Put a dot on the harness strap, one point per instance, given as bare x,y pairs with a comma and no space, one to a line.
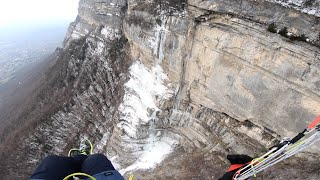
235,166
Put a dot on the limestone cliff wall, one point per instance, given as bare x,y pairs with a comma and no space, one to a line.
231,64
223,58
162,87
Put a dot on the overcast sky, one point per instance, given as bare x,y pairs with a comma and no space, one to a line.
36,11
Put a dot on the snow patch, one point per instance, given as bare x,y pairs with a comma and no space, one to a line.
100,47
175,11
143,89
299,5
96,49
153,154
142,92
111,33
79,32
114,162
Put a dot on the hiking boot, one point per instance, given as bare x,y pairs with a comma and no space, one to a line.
86,147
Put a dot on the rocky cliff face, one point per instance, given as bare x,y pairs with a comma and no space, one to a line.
167,88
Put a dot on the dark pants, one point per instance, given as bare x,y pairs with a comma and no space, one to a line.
58,167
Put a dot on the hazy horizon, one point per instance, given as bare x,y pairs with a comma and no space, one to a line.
36,12
30,31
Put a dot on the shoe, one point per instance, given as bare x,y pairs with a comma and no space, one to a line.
74,152
86,147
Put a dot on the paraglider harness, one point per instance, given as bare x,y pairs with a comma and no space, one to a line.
285,149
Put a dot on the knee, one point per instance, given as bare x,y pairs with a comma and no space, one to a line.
97,163
51,157
98,156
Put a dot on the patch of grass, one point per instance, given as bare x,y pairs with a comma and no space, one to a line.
299,38
117,46
158,21
248,124
272,28
284,32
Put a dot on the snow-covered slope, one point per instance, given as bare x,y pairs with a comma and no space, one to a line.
311,7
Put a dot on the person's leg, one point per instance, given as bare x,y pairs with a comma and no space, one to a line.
57,167
96,163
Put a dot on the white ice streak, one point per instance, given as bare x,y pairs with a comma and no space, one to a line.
79,32
157,42
140,96
111,33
